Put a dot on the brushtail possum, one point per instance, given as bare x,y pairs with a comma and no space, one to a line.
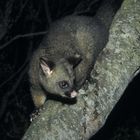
66,56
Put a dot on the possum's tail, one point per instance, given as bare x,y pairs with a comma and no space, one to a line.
107,11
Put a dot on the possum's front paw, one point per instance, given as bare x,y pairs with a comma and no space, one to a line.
36,113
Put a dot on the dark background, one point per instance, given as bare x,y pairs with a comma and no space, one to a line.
22,26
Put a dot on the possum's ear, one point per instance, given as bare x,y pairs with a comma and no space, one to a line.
74,60
46,66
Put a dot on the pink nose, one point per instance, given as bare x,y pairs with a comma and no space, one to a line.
73,94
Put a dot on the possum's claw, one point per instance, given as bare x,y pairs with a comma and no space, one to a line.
36,113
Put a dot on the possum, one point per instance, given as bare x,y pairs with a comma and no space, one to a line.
66,55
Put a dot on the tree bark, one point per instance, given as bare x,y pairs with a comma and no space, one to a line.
116,66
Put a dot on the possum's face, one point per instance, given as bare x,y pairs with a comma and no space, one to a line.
58,78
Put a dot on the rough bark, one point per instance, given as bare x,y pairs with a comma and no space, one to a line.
116,66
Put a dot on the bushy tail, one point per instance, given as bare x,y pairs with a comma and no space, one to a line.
107,11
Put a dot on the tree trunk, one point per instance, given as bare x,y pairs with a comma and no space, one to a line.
116,66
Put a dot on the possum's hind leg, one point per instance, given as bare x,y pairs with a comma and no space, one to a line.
81,73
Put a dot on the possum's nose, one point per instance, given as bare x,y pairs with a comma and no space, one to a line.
72,94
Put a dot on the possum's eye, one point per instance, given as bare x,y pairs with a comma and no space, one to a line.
63,84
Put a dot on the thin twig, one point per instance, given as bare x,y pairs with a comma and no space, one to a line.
21,36
47,11
76,12
5,100
21,10
13,75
